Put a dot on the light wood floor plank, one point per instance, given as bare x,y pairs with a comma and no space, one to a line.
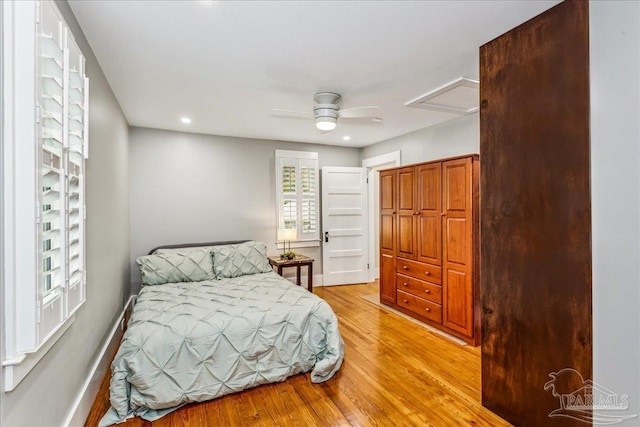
395,373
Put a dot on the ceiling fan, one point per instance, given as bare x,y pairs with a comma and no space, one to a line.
326,112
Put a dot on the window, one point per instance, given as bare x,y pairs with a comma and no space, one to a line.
44,278
297,194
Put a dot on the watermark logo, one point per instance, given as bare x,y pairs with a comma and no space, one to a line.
586,402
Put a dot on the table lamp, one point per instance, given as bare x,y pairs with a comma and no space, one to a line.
287,235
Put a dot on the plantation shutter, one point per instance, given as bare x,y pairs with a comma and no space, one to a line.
308,197
52,183
77,142
62,102
297,193
289,195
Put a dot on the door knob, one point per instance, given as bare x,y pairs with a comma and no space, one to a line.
405,267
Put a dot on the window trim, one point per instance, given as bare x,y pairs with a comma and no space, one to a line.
297,156
23,345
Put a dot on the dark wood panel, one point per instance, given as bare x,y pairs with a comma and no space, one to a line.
535,213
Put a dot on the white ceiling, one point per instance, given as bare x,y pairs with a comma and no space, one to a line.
226,64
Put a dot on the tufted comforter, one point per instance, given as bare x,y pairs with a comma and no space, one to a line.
194,341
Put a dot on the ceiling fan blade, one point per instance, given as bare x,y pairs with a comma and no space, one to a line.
372,112
292,113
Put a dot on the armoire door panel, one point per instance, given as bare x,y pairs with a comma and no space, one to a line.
456,189
405,231
457,240
406,189
458,313
429,187
388,278
387,232
429,240
387,191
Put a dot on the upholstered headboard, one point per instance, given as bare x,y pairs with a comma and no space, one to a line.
195,245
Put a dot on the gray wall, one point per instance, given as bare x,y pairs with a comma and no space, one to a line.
615,185
449,139
195,188
45,397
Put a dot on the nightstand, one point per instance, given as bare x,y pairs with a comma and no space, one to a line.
298,261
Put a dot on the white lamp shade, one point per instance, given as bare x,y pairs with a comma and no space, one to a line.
287,234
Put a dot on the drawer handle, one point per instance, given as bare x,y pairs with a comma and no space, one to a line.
405,267
405,300
427,291
426,273
428,309
406,284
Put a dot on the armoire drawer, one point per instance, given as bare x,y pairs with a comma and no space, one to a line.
419,288
420,306
419,270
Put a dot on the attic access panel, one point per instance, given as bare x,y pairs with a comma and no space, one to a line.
459,96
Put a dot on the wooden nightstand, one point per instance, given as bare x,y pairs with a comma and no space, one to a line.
298,261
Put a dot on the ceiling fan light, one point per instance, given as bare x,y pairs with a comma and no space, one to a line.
326,123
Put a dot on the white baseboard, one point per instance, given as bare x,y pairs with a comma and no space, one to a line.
82,405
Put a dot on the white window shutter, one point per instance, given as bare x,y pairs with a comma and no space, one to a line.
297,193
76,124
52,60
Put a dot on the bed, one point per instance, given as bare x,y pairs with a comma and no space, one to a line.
213,319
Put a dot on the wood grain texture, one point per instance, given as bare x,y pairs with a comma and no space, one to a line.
388,218
395,373
535,212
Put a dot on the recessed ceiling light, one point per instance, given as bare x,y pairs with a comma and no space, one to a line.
346,137
185,120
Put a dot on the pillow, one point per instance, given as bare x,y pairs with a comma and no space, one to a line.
192,266
240,259
181,251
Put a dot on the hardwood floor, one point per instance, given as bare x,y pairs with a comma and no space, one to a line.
395,373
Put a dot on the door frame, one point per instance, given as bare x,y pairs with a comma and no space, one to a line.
371,164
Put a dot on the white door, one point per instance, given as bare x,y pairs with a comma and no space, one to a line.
344,225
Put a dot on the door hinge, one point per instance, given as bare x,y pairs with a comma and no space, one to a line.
367,266
367,180
38,117
37,12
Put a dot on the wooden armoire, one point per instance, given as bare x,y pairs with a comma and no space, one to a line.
429,243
